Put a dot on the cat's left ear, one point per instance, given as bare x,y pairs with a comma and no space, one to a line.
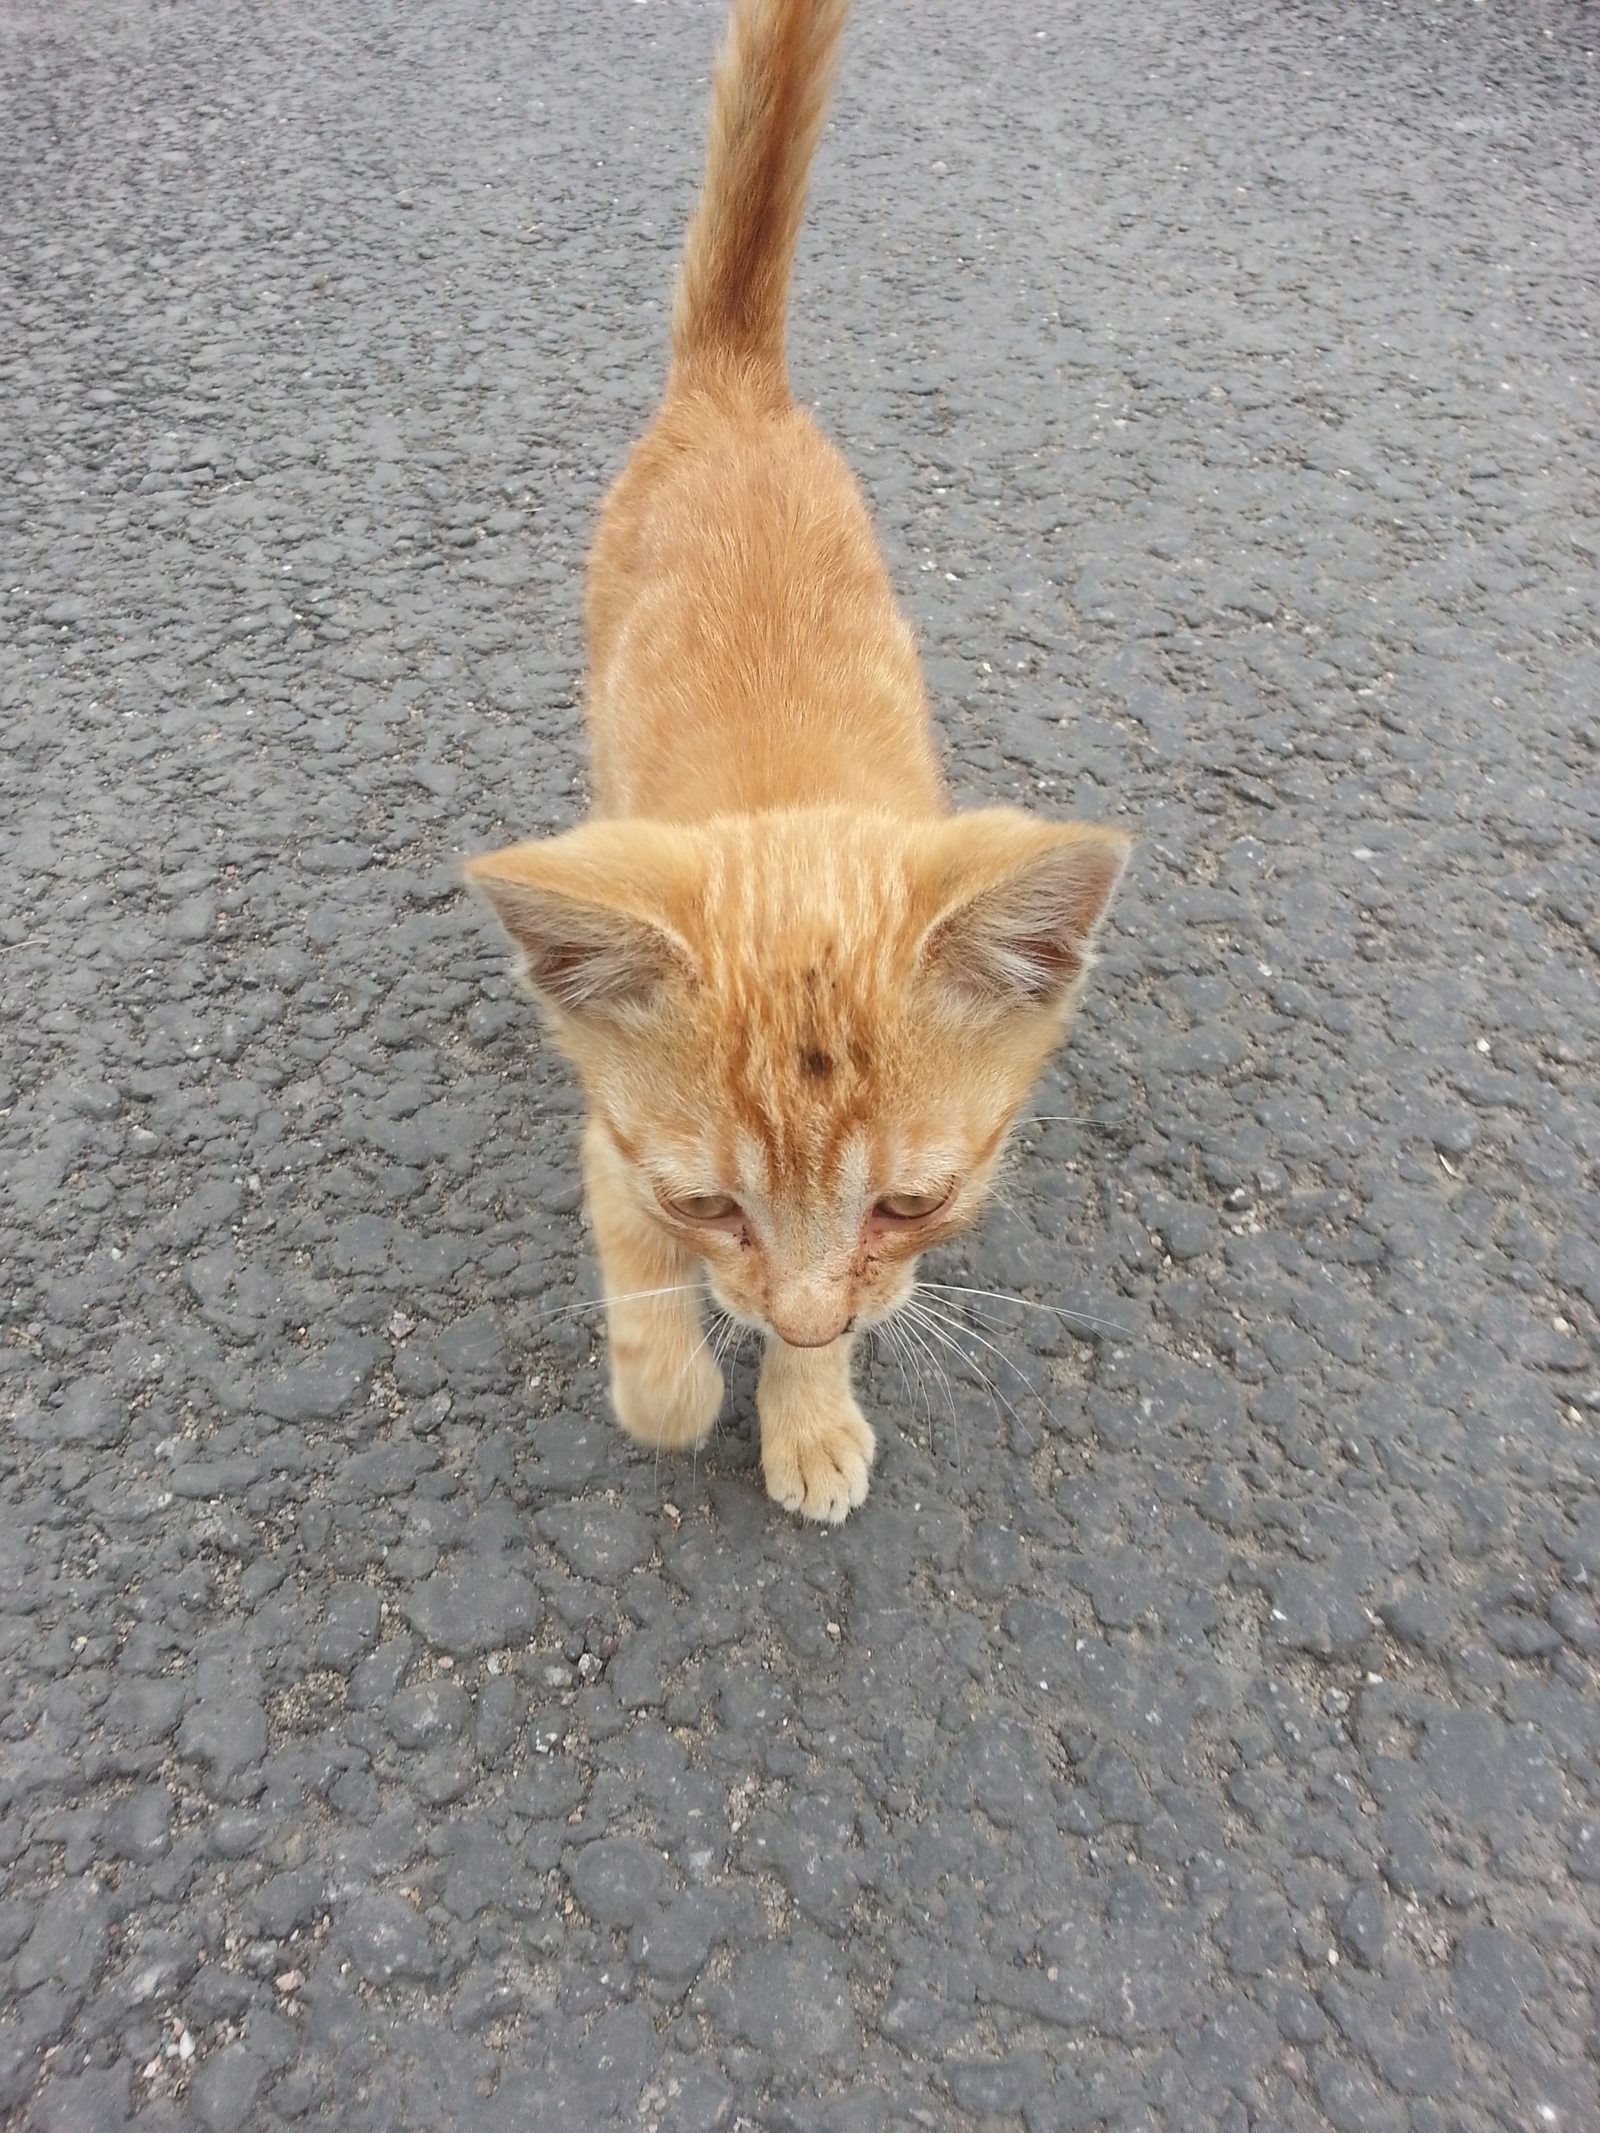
1013,905
593,913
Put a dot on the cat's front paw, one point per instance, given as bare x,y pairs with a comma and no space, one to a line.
668,1410
820,1469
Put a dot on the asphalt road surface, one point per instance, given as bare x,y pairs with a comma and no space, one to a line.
1198,1727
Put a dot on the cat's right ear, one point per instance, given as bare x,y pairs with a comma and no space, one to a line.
592,914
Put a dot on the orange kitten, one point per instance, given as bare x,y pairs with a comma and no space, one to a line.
804,998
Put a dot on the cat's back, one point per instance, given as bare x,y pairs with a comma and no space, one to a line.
745,648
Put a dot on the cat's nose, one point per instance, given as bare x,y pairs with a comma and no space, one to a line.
810,1314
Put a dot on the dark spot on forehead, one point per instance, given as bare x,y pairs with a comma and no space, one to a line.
821,978
815,1062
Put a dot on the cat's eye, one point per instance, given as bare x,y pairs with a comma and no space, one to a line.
705,1207
911,1206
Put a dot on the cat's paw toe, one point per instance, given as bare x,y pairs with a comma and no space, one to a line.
824,1474
669,1411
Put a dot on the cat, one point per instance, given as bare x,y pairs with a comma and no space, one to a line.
804,998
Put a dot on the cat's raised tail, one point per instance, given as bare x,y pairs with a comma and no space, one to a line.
771,94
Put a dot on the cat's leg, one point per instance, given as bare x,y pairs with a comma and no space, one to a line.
665,1387
816,1447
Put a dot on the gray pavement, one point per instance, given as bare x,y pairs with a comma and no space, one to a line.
1200,1728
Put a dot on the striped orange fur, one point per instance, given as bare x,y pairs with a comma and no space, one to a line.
805,998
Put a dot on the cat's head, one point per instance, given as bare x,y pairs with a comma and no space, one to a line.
804,1035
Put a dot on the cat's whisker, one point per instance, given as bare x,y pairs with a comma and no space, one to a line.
949,1315
686,1364
916,1325
899,1348
918,1342
1082,1318
931,1314
943,1330
1069,1318
915,1358
975,1370
918,1357
888,1343
603,1303
730,1341
952,1317
724,1326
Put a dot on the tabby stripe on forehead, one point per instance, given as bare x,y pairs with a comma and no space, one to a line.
627,1147
987,1146
846,1165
